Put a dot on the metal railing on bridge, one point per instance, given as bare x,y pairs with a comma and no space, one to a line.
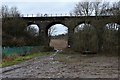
51,15
47,15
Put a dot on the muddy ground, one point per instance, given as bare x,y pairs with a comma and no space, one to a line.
61,65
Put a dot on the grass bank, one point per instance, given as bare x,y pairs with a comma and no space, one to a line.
15,59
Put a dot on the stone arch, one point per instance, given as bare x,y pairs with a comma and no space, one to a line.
82,22
110,37
113,22
53,23
78,23
32,38
89,40
88,22
32,22
65,40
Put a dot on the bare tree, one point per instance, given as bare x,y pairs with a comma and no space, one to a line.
115,9
83,8
103,7
91,8
51,31
100,8
14,12
4,11
110,9
32,31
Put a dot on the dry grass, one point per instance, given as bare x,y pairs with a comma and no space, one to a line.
58,43
15,59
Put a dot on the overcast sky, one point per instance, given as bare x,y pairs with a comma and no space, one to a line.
42,7
46,6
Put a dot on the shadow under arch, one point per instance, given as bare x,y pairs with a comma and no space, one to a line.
85,39
84,22
32,23
110,38
31,34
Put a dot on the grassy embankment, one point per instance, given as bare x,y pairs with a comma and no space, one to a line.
15,59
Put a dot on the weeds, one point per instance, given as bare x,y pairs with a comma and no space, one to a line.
15,59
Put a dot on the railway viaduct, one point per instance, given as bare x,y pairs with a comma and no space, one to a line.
44,23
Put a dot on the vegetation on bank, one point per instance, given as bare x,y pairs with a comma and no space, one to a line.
15,59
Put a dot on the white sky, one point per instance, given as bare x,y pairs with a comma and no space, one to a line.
59,29
42,7
53,0
46,6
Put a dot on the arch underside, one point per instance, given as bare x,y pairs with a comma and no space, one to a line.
54,23
59,42
33,23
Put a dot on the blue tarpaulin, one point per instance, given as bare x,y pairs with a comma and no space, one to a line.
16,50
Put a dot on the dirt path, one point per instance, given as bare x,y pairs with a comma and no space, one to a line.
58,43
67,66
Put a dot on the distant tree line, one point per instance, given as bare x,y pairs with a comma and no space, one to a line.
96,8
60,36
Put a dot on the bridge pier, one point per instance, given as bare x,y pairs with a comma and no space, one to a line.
99,27
44,36
70,37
